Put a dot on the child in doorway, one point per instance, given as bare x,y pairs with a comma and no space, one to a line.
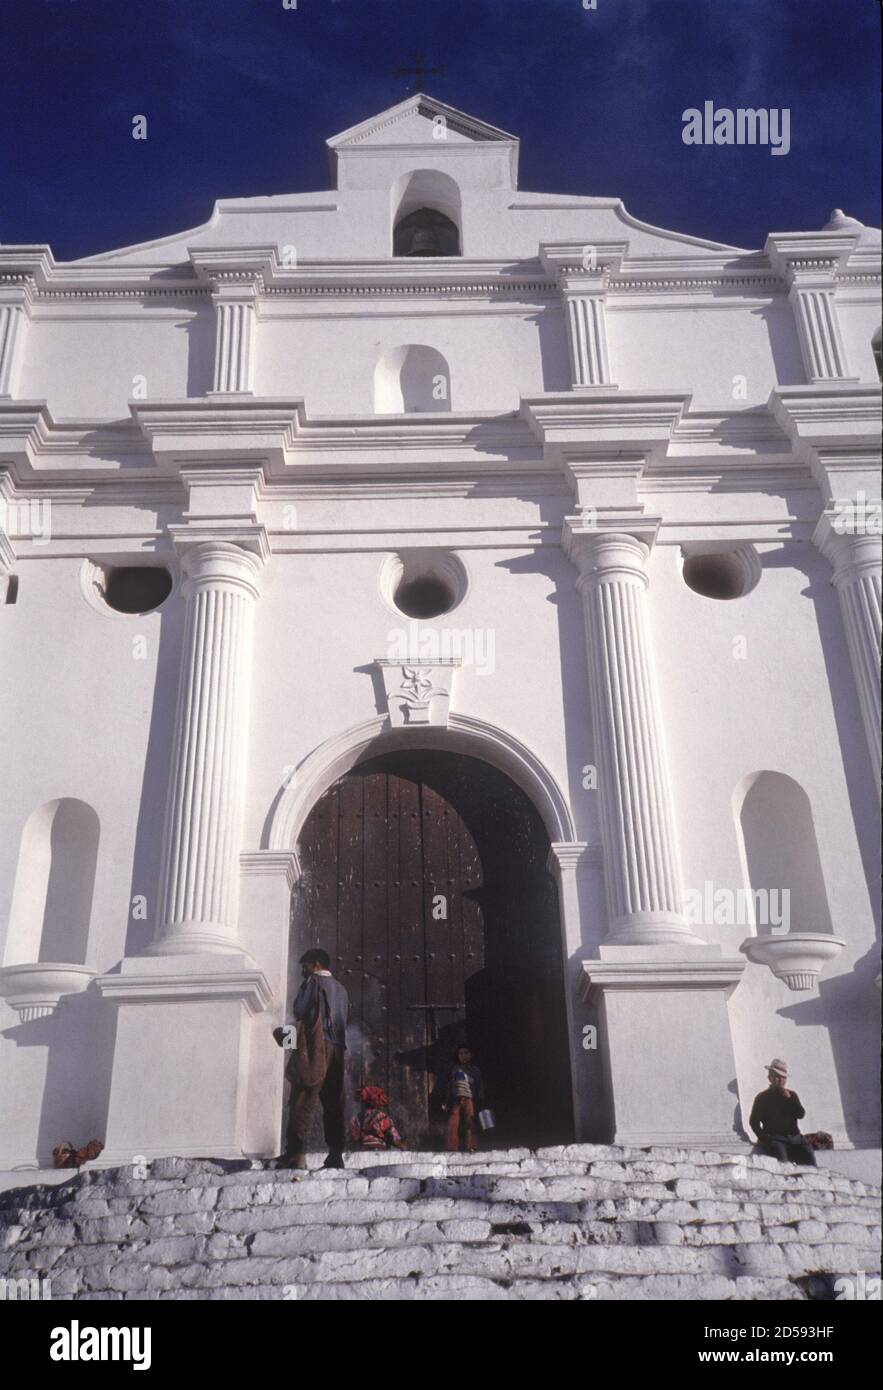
465,1094
373,1128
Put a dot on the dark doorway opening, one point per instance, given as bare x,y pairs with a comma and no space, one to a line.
424,876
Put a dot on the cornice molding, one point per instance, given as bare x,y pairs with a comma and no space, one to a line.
244,986
829,413
597,977
33,269
421,104
600,422
546,436
271,863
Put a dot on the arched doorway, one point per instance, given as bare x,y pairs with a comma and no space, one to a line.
423,874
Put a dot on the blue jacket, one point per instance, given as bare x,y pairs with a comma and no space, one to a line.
475,1079
306,1006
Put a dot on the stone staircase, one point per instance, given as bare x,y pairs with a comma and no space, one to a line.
578,1222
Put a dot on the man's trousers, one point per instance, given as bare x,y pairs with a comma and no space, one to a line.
330,1093
788,1148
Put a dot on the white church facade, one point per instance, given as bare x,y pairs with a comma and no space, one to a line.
482,585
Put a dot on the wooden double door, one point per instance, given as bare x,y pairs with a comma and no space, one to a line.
424,876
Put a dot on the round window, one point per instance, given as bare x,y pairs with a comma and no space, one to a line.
722,574
136,588
423,583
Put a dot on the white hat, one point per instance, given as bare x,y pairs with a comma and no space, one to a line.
778,1066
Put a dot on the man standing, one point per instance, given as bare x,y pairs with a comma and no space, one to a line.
319,991
774,1117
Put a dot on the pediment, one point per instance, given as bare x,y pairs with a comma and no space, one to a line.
416,122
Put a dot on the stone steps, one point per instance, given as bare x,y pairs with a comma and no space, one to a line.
577,1222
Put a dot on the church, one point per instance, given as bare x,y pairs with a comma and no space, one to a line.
480,585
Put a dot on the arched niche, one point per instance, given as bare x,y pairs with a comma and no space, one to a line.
411,378
54,884
780,852
426,214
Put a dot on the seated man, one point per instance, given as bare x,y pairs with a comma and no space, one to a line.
774,1117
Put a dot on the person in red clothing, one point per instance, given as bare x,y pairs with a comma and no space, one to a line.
774,1117
373,1128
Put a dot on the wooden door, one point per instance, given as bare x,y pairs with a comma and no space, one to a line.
424,877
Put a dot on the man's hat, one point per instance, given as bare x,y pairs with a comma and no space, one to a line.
778,1066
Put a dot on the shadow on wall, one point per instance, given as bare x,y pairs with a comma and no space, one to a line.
843,701
54,884
80,1036
143,905
200,331
49,923
784,343
848,1008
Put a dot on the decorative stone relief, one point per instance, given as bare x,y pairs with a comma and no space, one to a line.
417,694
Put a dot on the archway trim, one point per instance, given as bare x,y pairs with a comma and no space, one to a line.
463,734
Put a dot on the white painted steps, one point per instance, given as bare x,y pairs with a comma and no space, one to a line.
578,1222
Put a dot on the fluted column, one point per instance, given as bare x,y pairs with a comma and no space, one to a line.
810,264
7,560
14,305
818,326
851,540
587,337
640,857
235,301
199,885
581,271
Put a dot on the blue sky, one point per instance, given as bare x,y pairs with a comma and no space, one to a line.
240,96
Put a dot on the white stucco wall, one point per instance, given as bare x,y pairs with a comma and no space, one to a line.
87,698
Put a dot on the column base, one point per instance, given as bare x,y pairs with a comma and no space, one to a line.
196,939
180,1064
652,929
667,1052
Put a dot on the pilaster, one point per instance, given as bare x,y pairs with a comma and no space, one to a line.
581,271
809,263
15,311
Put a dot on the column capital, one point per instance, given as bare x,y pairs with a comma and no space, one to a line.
18,292
236,287
582,267
609,546
812,259
228,265
850,539
570,856
213,556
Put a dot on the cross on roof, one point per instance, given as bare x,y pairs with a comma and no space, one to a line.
419,70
